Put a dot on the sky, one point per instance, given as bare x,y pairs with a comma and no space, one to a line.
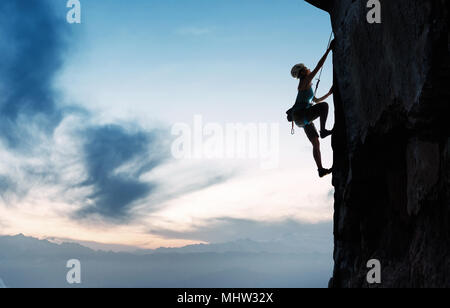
88,113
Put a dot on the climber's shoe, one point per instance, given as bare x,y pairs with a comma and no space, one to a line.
323,172
325,133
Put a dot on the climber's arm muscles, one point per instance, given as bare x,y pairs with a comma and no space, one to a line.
318,67
319,100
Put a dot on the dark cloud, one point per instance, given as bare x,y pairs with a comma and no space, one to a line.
226,229
33,43
115,158
106,150
31,47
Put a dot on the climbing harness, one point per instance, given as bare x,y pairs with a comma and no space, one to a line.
317,84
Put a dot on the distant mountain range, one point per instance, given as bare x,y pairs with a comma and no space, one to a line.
29,262
241,246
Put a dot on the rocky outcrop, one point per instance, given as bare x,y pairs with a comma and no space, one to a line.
391,142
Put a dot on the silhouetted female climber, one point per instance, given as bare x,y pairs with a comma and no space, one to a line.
304,112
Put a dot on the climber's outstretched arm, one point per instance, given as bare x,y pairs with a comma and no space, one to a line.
320,64
318,100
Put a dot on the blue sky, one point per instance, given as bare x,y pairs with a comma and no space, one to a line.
86,148
203,57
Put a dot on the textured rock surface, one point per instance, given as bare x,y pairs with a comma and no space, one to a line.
392,142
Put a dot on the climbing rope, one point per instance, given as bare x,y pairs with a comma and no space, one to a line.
320,75
318,81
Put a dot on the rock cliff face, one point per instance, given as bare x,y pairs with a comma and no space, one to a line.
391,142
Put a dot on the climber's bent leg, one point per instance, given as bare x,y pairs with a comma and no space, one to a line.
319,110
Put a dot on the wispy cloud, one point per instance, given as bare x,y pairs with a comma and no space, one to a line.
3,224
195,31
6,184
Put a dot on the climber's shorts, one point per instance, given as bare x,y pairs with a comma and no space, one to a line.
311,131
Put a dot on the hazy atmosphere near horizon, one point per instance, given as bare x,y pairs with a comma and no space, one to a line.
91,116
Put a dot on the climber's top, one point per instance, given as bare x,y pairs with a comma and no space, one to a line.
304,98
